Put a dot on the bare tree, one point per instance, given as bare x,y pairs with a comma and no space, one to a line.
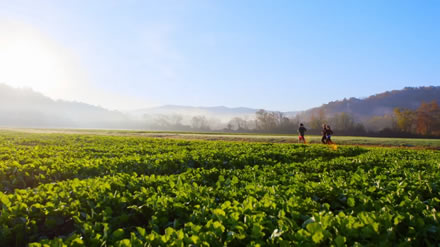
317,119
238,123
200,123
265,120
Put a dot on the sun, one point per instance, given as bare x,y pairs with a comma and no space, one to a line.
30,59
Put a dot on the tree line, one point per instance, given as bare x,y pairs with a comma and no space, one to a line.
421,122
424,121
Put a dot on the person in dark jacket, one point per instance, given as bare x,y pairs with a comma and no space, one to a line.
324,134
301,131
329,133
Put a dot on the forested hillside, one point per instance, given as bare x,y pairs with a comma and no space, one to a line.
408,112
382,103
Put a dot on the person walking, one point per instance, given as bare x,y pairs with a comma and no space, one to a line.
329,133
301,131
324,134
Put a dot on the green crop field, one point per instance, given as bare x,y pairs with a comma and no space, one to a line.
96,190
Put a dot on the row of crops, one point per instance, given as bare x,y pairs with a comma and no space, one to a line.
79,190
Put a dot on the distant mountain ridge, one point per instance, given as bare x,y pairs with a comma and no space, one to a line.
219,111
23,107
382,103
27,108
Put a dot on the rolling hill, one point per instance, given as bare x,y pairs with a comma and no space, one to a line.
22,107
27,108
380,104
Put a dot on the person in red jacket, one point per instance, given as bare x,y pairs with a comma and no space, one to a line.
301,131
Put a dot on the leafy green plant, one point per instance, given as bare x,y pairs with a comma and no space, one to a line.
75,190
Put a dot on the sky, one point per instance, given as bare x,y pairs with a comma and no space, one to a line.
276,55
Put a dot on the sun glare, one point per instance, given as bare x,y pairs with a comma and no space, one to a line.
28,59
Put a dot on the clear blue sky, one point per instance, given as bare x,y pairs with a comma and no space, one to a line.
277,55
